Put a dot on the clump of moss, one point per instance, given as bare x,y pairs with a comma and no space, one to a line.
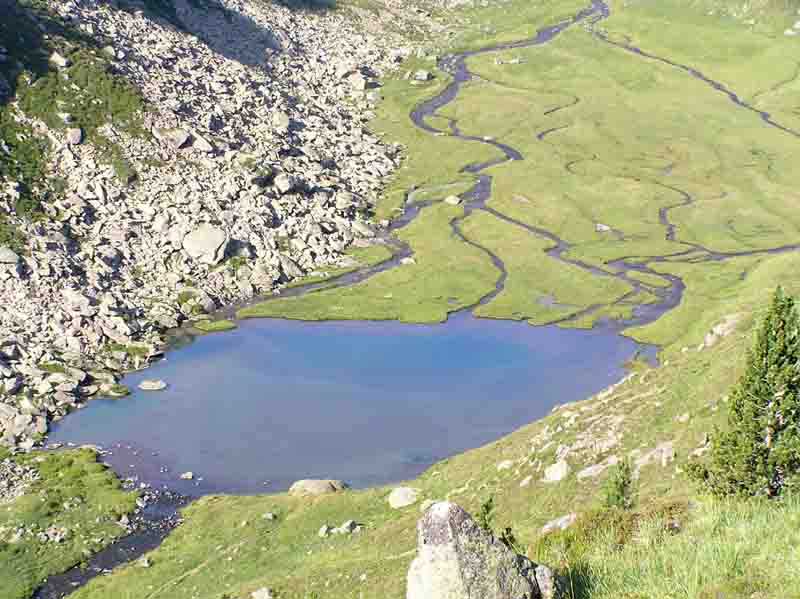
117,391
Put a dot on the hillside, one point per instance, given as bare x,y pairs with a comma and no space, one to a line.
652,192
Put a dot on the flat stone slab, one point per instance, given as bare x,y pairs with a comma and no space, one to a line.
152,385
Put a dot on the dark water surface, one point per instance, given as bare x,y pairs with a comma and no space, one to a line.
367,402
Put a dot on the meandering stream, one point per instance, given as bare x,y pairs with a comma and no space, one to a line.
374,402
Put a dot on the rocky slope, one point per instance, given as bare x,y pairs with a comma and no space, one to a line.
252,163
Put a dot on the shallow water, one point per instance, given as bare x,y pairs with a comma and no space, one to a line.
368,402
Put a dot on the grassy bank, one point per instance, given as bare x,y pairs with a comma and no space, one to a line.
70,512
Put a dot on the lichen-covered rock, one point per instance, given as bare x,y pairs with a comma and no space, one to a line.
456,559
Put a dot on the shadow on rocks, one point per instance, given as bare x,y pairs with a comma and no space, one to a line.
24,32
227,32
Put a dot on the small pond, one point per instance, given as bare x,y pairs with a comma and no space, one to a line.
254,409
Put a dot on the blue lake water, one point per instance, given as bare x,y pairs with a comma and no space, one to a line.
369,402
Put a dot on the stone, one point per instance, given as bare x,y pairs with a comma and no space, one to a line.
505,465
347,527
59,61
262,593
314,487
403,497
285,183
74,136
152,385
452,200
8,256
556,472
175,138
281,121
201,144
357,81
457,559
422,75
561,523
598,469
187,475
207,244
601,228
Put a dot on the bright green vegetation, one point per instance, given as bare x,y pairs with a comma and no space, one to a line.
75,493
448,274
717,548
94,98
629,137
529,283
430,160
759,454
214,326
679,402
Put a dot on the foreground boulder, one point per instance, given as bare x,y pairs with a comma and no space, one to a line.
316,487
457,559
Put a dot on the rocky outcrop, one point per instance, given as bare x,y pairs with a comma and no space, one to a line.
456,559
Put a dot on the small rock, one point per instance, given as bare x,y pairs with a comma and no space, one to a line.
561,523
402,497
74,136
556,472
423,76
8,256
505,465
262,593
601,228
452,200
175,139
59,61
187,475
152,385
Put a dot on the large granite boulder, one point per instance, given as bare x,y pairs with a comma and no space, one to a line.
206,244
457,559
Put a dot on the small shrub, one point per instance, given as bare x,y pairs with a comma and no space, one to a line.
759,454
486,515
620,487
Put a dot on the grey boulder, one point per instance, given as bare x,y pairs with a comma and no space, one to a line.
457,559
8,256
206,244
316,487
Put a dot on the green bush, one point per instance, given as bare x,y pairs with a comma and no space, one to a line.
759,454
620,487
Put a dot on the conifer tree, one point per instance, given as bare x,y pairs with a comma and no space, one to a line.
759,453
